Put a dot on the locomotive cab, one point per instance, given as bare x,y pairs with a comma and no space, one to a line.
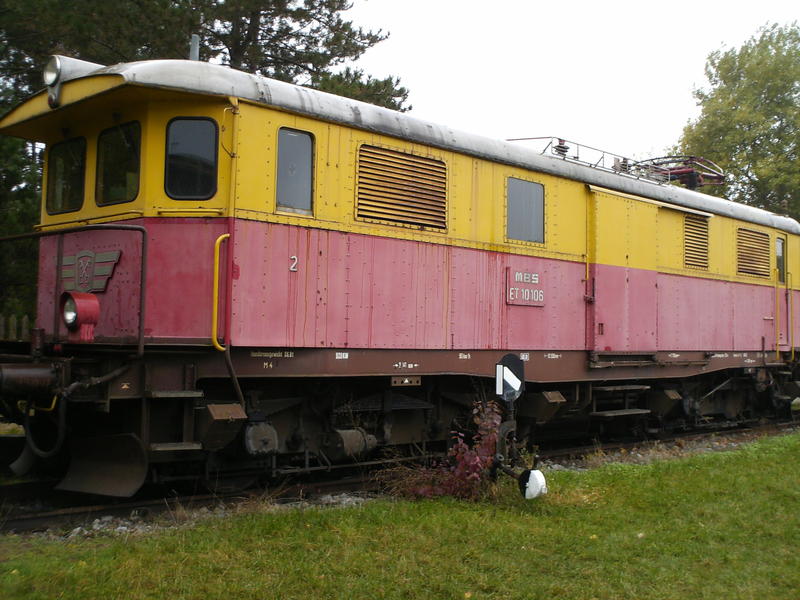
135,192
116,154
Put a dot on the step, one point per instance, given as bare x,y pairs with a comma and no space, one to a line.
174,393
175,446
623,412
620,388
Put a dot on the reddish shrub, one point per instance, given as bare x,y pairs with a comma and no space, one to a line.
464,473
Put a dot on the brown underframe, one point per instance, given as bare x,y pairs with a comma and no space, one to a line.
546,367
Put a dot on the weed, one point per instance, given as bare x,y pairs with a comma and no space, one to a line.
466,471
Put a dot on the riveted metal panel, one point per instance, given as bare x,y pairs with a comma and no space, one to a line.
359,291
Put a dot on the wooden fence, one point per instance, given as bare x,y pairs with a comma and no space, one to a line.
14,328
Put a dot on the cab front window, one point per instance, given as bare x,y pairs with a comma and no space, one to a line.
118,164
66,166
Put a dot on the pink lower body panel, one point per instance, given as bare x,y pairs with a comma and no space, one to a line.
107,263
644,311
302,287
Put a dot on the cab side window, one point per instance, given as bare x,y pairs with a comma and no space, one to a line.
118,164
191,171
295,180
780,258
66,167
525,211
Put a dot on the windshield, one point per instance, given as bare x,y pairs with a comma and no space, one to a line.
65,170
118,164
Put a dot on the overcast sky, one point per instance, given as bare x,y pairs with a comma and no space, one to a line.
613,74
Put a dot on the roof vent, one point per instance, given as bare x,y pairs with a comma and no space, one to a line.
194,47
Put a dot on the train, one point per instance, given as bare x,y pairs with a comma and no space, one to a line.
239,277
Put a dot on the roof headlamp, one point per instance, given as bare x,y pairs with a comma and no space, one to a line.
63,68
52,71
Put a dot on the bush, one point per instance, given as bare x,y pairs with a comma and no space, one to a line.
466,472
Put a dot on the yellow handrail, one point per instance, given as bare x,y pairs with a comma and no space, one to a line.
777,315
190,211
51,407
88,220
215,297
791,313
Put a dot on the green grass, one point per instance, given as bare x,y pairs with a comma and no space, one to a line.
10,429
723,525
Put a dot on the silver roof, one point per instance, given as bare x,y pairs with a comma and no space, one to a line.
206,78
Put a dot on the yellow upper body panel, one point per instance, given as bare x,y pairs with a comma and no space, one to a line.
580,222
475,188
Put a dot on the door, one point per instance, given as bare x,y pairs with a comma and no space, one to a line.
783,300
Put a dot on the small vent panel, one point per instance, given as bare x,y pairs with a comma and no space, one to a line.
695,242
401,188
752,253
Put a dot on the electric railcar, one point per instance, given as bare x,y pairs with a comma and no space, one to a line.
242,276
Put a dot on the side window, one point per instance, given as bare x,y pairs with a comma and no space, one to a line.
295,170
780,259
191,172
118,164
525,214
66,166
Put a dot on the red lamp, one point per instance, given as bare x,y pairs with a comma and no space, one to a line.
80,312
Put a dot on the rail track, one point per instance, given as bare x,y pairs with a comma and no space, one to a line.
34,506
584,450
152,505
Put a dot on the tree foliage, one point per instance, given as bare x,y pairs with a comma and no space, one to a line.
354,83
301,41
19,211
750,119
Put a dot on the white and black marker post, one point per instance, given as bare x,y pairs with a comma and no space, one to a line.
510,379
509,385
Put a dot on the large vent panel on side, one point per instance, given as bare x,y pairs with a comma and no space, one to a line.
752,253
401,188
695,242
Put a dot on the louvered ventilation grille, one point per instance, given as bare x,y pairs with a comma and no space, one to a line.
695,242
752,253
401,188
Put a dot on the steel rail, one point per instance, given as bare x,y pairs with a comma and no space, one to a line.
72,516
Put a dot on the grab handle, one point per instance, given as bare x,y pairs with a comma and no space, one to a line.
215,297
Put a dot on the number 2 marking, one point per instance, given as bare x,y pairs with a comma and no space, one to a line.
293,266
